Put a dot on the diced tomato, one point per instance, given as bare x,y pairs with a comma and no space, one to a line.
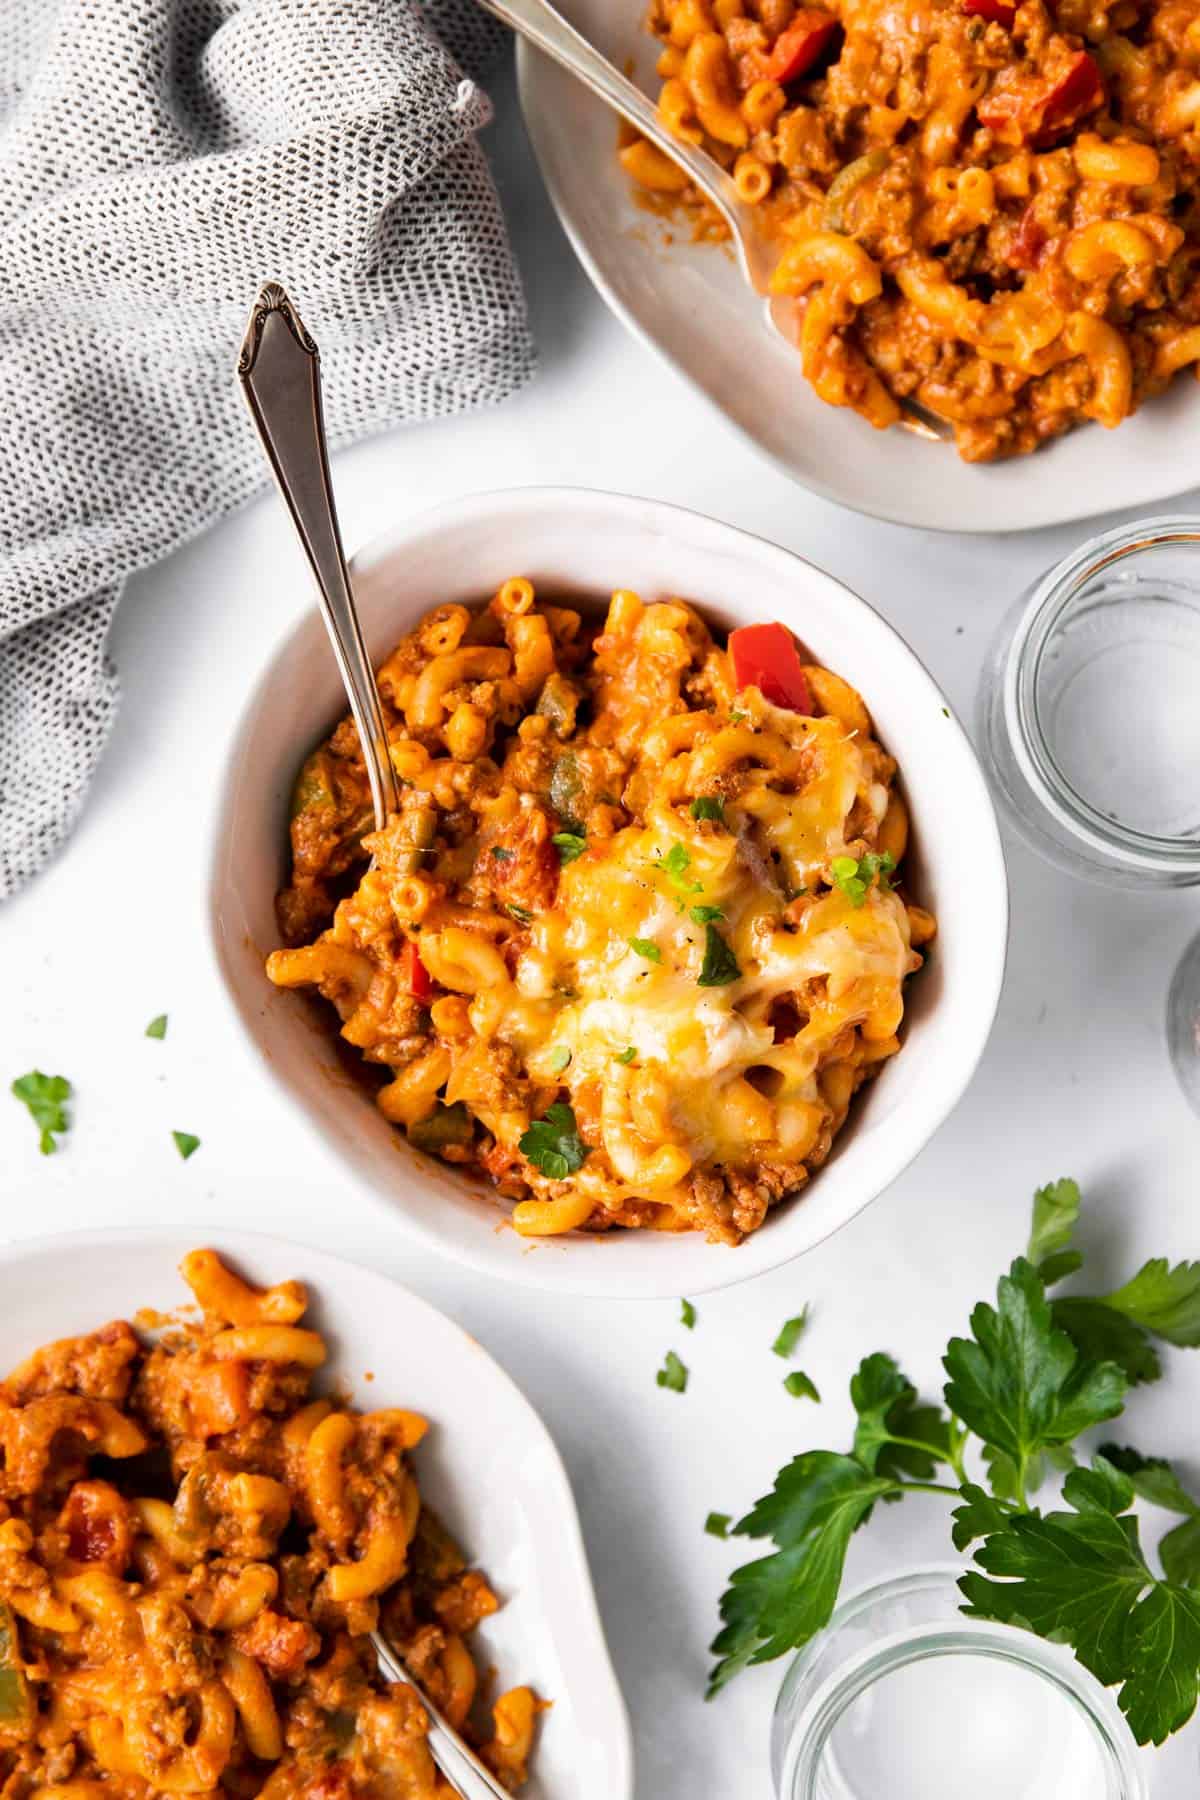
1029,109
96,1522
1029,241
765,657
415,975
996,12
797,49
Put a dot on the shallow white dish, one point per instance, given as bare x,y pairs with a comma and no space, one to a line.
488,1465
572,541
689,303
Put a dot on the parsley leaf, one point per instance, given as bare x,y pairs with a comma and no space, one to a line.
790,1333
1055,1216
1104,1335
717,1524
627,1055
553,1144
673,1374
675,865
1020,1383
521,914
646,947
46,1097
704,915
157,1028
720,965
688,1314
560,1059
1153,1479
1080,1577
500,854
1162,1299
185,1143
569,844
709,806
779,1602
801,1386
855,877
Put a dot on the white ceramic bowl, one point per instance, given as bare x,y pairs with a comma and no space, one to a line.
488,1465
689,303
572,541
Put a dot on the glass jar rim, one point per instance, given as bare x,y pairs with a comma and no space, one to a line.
1054,593
988,1639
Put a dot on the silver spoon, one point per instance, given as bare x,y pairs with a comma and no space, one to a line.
546,28
280,372
458,1763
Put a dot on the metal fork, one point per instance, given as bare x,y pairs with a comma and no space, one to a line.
546,28
458,1764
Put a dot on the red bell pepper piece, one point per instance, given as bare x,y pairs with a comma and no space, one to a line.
1029,240
415,975
1023,109
797,49
765,657
996,12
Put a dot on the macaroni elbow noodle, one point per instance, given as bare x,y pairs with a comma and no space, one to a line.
643,926
145,1650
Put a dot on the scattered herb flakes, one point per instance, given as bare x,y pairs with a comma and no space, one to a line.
673,1374
185,1143
736,716
675,865
569,844
801,1386
500,854
717,1524
560,1059
790,1333
627,1055
521,914
688,1314
709,806
720,965
553,1144
46,1097
705,915
157,1028
855,877
646,947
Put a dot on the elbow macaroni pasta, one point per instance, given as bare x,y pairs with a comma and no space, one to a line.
544,936
208,1638
955,188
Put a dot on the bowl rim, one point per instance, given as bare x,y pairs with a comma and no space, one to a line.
765,1249
327,1267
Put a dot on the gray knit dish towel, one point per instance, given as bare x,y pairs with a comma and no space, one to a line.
159,160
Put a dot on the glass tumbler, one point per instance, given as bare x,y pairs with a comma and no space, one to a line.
1089,722
903,1698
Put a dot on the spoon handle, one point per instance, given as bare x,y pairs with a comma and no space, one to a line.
458,1763
546,28
280,372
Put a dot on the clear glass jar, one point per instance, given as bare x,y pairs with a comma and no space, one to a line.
1089,708
903,1698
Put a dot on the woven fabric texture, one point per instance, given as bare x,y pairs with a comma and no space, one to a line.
159,160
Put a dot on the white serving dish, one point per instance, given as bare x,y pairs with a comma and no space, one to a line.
572,541
488,1465
689,303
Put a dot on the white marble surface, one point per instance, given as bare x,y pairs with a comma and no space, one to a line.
1076,1078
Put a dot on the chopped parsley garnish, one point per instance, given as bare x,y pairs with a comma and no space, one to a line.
720,965
560,1059
627,1055
46,1097
553,1144
709,806
646,947
736,716
185,1143
854,878
521,914
800,1386
704,915
569,845
157,1028
675,865
501,855
687,1315
673,1374
717,1524
790,1333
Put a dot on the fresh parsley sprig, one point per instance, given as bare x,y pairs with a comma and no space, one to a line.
1031,1377
553,1144
855,875
46,1097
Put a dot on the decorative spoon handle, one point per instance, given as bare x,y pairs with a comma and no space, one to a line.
458,1763
280,372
